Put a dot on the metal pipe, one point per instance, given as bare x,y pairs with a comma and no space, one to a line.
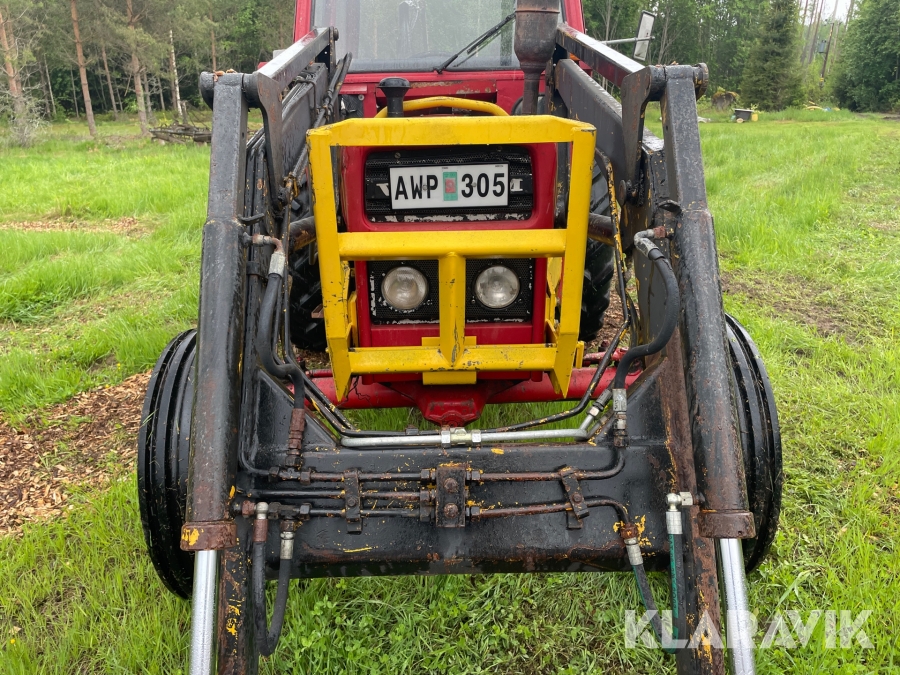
203,612
739,631
461,436
626,40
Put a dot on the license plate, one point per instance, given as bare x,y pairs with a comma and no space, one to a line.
458,186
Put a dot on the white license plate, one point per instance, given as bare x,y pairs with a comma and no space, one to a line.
459,186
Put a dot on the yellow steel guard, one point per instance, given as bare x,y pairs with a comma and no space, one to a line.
450,249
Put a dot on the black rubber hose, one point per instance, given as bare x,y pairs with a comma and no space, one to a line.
640,574
670,320
267,637
264,342
678,584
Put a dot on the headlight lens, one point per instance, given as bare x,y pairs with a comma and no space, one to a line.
497,287
404,288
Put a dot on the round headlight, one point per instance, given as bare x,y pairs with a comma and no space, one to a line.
497,287
404,288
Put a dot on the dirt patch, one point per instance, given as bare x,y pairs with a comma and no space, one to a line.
794,298
126,226
57,452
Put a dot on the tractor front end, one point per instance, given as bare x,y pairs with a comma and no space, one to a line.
450,255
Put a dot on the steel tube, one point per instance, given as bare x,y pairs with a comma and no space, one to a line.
203,612
469,438
739,629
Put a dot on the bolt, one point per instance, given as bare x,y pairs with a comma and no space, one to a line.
451,486
577,498
451,511
352,501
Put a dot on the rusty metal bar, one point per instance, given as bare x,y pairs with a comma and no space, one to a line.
717,452
220,328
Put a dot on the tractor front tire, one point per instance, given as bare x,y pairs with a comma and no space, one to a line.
163,459
306,297
599,269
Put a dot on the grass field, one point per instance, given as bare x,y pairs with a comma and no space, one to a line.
99,267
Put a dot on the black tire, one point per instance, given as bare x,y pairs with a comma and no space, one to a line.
306,297
599,267
163,461
760,439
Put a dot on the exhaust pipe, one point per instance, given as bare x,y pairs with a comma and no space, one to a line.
536,22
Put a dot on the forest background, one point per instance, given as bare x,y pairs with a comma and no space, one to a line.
72,58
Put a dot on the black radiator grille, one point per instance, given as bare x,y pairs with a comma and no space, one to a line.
377,172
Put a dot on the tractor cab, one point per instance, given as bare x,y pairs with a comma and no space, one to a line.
459,48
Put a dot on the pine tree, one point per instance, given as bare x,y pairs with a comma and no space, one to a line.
772,74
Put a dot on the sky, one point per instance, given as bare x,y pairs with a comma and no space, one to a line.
842,7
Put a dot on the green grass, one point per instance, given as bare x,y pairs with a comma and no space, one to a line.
806,208
87,306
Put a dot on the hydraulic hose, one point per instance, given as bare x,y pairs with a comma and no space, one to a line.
267,636
676,571
644,243
267,354
264,342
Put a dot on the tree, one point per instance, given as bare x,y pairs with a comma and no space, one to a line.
21,103
772,74
82,70
868,76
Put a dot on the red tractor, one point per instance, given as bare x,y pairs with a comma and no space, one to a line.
442,199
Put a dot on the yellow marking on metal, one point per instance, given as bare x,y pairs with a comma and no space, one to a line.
190,535
231,492
451,249
359,550
448,102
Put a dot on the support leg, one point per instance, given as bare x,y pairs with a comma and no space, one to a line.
203,608
739,629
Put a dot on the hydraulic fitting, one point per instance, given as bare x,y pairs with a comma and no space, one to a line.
620,410
673,514
287,540
261,524
634,551
674,502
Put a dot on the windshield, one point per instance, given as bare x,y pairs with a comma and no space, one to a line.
396,35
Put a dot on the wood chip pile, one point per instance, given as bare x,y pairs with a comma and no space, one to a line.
63,450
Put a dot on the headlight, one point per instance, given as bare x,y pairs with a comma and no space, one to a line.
497,287
404,288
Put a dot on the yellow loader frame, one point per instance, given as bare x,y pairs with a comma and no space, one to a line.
452,358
